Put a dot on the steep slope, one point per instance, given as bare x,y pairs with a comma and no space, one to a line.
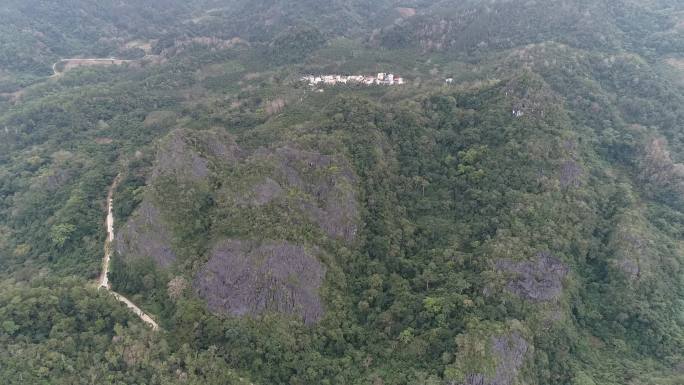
236,198
494,244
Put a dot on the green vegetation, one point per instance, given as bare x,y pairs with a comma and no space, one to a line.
456,241
60,332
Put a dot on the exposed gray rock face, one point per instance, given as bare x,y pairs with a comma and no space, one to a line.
266,191
570,174
220,146
571,170
145,235
193,158
633,253
324,187
334,207
57,179
184,156
509,352
475,379
324,184
630,268
247,278
539,280
177,158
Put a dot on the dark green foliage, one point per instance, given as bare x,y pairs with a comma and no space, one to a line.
60,332
295,44
555,236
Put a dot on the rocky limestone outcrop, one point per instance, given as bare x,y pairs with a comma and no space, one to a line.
539,280
57,178
189,155
570,174
184,157
175,157
146,236
249,278
490,354
334,205
266,191
509,352
636,252
325,184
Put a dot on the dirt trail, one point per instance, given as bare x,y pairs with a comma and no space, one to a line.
103,282
79,62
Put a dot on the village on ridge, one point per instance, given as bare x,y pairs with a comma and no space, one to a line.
384,79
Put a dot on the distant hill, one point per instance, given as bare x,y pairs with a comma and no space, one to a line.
474,26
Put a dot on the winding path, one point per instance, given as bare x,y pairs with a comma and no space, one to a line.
110,61
103,282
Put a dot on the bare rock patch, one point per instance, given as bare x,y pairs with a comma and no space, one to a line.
245,278
145,235
406,12
490,358
322,187
510,353
329,182
177,158
192,155
266,191
57,178
571,174
539,280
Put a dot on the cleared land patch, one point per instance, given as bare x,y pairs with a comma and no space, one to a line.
677,64
406,12
68,64
676,67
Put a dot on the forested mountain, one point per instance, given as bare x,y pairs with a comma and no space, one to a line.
520,224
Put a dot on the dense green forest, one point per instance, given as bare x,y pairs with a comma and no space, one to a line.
523,224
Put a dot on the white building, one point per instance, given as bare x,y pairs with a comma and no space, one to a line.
382,79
